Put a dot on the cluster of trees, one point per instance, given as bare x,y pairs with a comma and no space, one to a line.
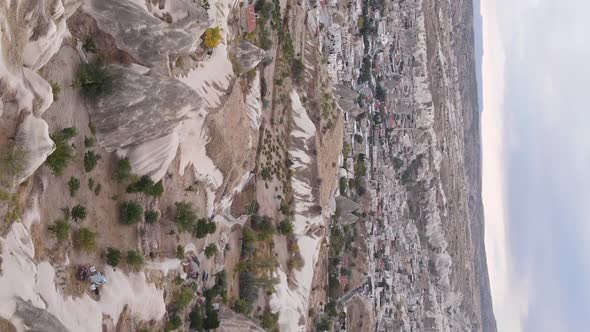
187,220
202,316
147,186
263,227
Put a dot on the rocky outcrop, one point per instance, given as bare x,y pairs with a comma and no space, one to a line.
246,56
345,208
229,321
37,319
142,108
32,32
138,31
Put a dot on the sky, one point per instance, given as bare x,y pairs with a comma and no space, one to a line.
536,162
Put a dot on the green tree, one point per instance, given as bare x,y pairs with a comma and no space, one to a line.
183,297
286,227
151,216
179,252
204,227
135,260
297,69
60,229
212,320
210,250
95,80
212,37
89,141
174,322
13,160
196,318
59,159
242,306
90,160
269,320
73,185
78,213
185,216
262,225
113,256
85,239
122,170
130,212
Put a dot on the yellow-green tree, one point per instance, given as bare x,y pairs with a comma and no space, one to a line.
212,37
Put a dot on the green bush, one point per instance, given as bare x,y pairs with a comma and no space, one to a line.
97,189
91,184
286,227
95,80
130,212
60,229
55,90
135,260
122,170
78,213
73,185
151,216
90,160
85,239
113,256
185,216
63,153
210,250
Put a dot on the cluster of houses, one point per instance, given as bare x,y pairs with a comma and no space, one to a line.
386,131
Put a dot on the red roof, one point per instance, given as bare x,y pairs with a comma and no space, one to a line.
250,18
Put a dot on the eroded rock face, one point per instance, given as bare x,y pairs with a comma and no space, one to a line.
138,30
33,138
31,32
246,56
142,108
37,319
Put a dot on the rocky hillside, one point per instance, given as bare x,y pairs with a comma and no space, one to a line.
159,165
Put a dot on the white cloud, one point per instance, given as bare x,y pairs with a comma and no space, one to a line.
510,294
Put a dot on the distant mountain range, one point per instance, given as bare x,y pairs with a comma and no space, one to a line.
478,39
